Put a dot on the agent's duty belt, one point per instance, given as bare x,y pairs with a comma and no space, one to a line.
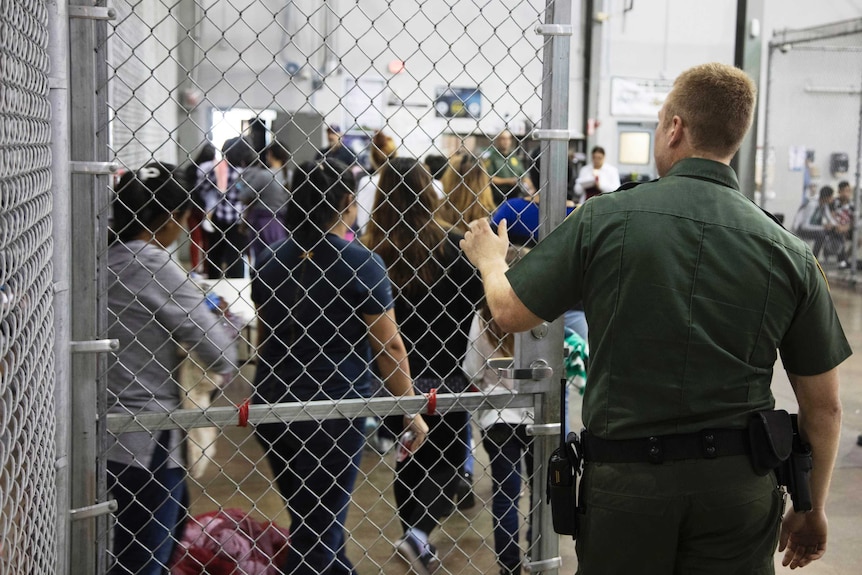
706,444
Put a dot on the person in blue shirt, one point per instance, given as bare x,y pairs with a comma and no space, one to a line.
324,307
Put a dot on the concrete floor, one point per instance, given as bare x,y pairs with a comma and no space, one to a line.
241,478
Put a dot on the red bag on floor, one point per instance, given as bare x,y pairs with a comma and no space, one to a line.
229,542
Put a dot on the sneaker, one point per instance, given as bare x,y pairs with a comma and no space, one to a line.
422,563
843,265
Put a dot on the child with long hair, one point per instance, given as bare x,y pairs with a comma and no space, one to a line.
467,191
504,434
436,291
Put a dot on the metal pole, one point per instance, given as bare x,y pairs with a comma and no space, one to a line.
854,234
58,50
543,344
749,15
764,160
193,118
101,209
86,86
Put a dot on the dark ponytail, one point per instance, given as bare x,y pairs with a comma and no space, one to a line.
145,200
318,194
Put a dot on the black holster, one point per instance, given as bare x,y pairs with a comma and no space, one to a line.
775,445
564,467
795,471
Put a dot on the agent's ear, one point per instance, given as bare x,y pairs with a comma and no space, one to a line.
675,133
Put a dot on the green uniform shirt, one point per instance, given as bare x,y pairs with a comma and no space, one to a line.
689,291
499,166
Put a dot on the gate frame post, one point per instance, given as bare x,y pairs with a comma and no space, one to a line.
541,344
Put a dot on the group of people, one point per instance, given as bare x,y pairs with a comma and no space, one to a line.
239,201
361,283
690,291
827,220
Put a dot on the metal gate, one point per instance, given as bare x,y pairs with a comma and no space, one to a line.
28,445
385,82
808,155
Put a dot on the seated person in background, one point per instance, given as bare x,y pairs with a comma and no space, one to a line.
153,310
818,223
508,175
844,212
598,177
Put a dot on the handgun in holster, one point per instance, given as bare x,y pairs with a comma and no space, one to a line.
564,466
775,444
795,471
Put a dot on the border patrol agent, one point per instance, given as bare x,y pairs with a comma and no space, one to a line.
505,169
690,291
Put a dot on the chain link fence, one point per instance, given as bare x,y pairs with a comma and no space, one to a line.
334,152
812,165
28,505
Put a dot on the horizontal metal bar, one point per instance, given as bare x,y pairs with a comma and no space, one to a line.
92,12
564,135
543,565
94,346
93,510
94,168
850,90
224,417
543,429
554,30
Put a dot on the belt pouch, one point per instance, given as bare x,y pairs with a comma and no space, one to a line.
770,439
563,469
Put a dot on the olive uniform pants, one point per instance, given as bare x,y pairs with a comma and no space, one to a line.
692,517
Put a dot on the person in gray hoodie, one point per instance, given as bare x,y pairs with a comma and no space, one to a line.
154,311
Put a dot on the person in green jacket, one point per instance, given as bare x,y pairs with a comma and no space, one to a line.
507,172
691,292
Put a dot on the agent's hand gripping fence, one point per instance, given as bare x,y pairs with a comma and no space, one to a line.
175,69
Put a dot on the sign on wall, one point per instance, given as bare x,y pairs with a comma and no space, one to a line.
638,97
458,103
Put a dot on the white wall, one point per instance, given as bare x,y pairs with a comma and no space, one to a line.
245,47
657,39
489,45
142,69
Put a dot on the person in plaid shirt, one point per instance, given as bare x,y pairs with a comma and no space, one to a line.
228,240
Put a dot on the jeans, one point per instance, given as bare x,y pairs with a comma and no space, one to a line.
150,513
425,482
315,466
226,245
506,444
